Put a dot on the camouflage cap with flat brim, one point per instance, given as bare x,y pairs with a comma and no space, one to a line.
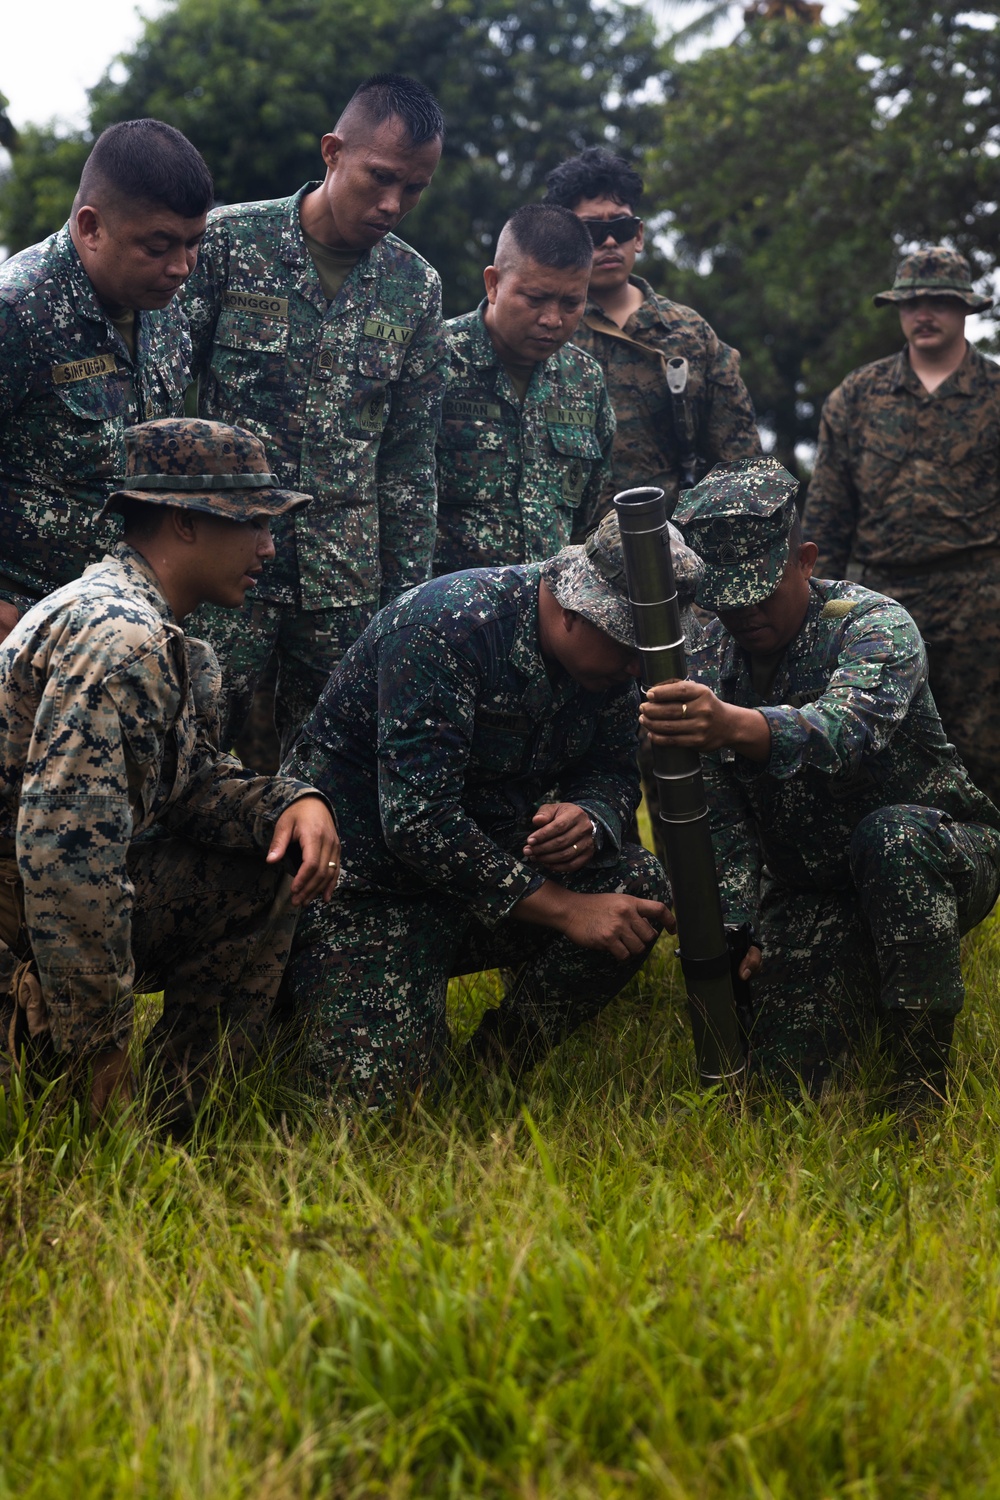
938,272
738,520
198,465
590,579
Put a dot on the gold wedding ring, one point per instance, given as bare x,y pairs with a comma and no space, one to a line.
684,709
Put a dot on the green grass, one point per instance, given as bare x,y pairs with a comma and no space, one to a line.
604,1285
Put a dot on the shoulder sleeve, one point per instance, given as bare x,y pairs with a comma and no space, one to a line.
881,665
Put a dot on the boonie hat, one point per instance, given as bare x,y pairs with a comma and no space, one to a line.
199,465
737,520
939,272
590,579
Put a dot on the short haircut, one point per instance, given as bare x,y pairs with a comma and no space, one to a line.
394,96
595,173
146,161
141,520
550,235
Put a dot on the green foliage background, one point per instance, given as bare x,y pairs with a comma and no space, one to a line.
785,172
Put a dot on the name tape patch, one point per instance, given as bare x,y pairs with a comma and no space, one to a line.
472,411
571,416
391,333
84,369
259,303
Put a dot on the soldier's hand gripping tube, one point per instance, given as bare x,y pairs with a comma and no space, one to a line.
704,947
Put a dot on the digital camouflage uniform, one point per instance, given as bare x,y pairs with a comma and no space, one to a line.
647,447
905,498
109,732
515,481
439,736
861,850
346,397
68,389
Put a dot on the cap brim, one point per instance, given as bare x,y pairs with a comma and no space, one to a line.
234,505
972,300
739,587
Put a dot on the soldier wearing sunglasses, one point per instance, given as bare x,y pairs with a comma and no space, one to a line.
680,404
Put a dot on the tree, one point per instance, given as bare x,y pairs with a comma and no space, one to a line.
797,163
255,83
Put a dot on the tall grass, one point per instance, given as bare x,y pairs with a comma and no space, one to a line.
604,1284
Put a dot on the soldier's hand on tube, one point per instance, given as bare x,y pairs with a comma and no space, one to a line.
309,824
8,619
617,924
752,961
563,838
620,925
688,714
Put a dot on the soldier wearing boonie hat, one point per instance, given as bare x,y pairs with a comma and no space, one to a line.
590,579
481,737
847,832
905,493
108,727
198,465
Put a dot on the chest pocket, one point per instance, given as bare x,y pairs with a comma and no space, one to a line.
238,329
882,448
579,450
470,462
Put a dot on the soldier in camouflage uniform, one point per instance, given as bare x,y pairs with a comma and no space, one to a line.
905,495
321,331
525,444
91,341
636,335
480,742
109,729
847,831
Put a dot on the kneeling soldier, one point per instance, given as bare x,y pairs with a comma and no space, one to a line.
480,741
847,831
108,729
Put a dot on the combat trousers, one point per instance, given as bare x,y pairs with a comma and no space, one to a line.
957,611
308,645
370,971
837,961
211,929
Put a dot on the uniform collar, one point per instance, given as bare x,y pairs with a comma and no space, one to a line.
481,352
961,382
649,305
542,694
293,251
72,274
142,579
735,662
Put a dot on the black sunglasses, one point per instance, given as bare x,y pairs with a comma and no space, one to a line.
620,230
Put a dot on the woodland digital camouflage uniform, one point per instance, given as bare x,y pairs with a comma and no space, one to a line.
346,398
905,498
440,735
68,390
109,729
861,851
515,481
646,448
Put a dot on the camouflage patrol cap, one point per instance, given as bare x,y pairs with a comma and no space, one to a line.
204,466
939,272
590,580
737,520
